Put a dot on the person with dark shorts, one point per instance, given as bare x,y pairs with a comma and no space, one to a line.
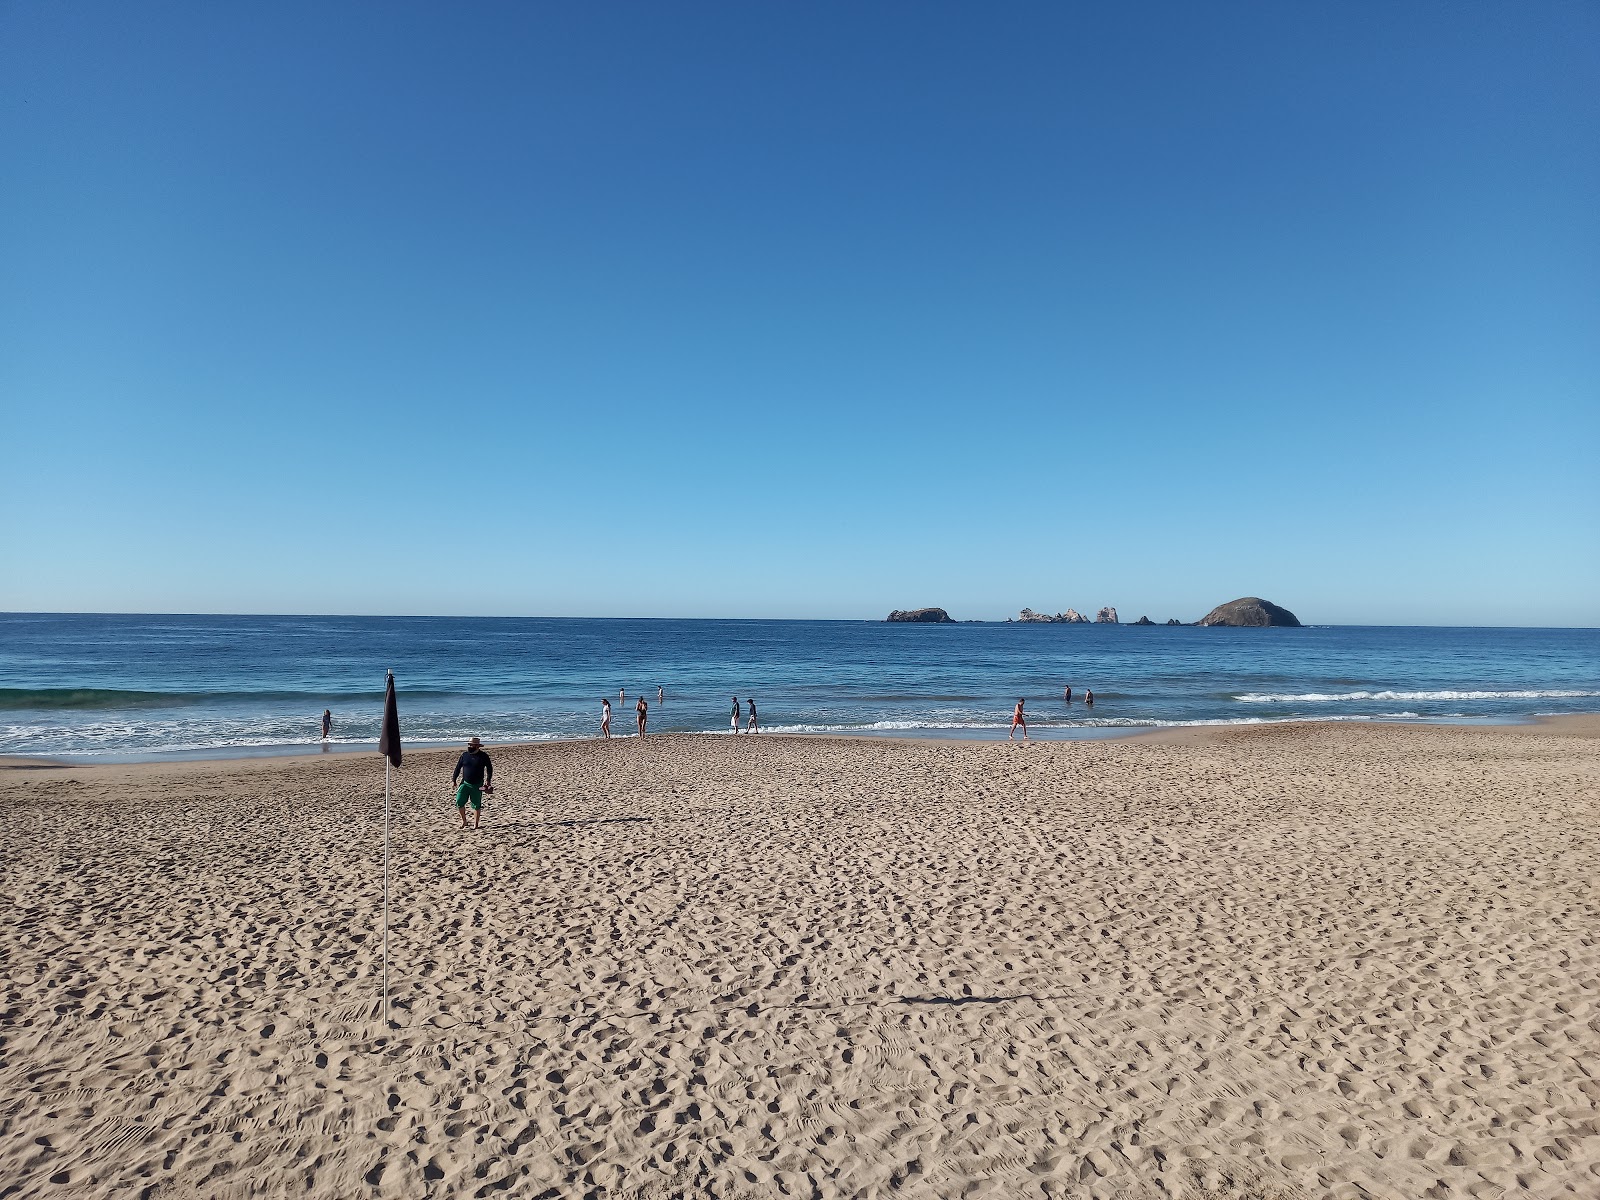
643,710
736,714
476,774
1088,698
1066,693
754,726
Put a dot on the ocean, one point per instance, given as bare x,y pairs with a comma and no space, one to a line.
129,688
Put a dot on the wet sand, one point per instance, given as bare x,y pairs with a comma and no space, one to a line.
1306,960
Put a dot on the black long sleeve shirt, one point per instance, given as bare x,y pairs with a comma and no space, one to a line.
473,767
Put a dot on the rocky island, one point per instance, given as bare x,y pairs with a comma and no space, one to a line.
1071,617
1252,612
922,616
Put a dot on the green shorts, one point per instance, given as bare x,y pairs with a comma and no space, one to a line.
469,793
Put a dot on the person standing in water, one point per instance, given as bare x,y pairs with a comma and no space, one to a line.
1066,693
622,695
661,694
736,714
1018,719
605,717
754,726
643,710
1088,697
327,723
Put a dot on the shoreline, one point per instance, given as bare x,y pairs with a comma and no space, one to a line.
1586,724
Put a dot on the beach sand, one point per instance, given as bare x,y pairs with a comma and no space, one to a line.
1297,961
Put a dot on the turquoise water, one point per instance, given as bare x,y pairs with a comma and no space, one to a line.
130,687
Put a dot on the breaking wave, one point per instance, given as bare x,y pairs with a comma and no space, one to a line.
1336,697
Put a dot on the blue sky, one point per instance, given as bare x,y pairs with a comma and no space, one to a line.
801,310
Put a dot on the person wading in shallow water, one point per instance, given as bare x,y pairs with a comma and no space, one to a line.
1088,697
327,723
643,710
476,773
1018,719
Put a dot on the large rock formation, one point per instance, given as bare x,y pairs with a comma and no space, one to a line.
1249,611
923,616
1073,617
1106,616
1174,621
1144,621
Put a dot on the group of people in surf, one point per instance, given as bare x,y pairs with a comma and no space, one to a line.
1020,721
641,711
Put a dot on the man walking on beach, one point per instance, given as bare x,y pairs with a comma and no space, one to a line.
475,772
1018,719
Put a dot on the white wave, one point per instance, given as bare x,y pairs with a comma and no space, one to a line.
1334,697
1088,723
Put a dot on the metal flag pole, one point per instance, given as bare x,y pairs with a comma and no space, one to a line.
389,747
387,767
386,890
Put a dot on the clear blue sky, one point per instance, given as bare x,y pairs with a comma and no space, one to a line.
801,310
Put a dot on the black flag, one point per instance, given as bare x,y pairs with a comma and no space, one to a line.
389,739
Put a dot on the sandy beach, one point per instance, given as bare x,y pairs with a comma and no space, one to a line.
1330,960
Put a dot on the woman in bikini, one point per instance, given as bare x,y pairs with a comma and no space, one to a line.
643,710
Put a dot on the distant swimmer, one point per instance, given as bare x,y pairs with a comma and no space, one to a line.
736,714
605,718
661,695
643,710
1088,697
1018,719
622,694
754,726
1066,693
327,723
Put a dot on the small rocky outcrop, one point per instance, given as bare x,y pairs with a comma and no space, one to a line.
1252,612
1174,621
1106,616
922,616
1144,621
1071,617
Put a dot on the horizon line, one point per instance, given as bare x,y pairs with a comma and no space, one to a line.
814,620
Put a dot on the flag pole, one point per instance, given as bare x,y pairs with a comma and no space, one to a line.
387,766
389,747
386,770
